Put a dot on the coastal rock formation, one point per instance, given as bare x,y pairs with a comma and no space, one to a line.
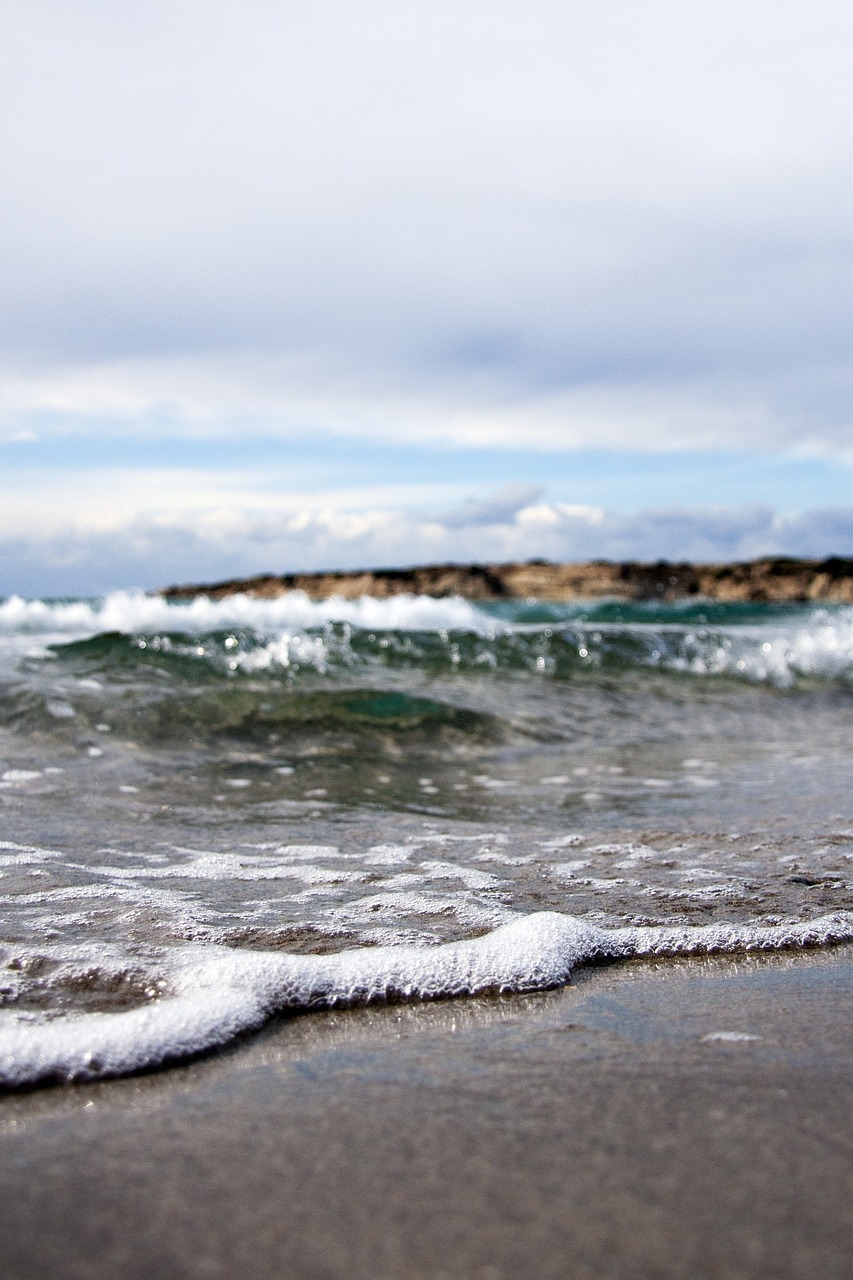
777,579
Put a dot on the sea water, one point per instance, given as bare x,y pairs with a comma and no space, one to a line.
214,811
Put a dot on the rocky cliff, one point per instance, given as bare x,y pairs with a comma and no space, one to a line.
777,579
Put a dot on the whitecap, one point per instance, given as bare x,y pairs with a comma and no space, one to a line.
134,612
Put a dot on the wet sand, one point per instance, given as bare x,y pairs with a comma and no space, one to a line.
655,1119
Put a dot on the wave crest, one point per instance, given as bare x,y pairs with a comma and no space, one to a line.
243,636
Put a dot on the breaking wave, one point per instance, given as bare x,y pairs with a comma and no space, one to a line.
292,636
135,612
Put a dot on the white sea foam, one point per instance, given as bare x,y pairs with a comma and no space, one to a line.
822,647
134,612
215,993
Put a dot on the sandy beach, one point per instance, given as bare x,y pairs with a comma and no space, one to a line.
654,1119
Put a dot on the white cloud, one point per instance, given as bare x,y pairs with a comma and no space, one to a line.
205,546
214,502
285,398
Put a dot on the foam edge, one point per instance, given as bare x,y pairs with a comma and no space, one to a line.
217,993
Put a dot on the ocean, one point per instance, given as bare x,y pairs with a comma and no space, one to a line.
216,812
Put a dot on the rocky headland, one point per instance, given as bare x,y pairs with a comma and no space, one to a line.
772,579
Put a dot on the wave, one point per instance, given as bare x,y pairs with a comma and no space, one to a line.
292,636
161,717
134,612
204,997
821,649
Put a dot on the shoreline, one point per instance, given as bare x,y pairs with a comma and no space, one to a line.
657,1119
774,580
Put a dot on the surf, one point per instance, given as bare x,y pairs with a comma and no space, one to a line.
216,994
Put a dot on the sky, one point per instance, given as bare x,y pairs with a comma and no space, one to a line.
291,287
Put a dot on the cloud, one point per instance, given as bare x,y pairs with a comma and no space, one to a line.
617,225
799,413
211,545
500,508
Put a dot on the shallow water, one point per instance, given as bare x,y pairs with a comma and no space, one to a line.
293,776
